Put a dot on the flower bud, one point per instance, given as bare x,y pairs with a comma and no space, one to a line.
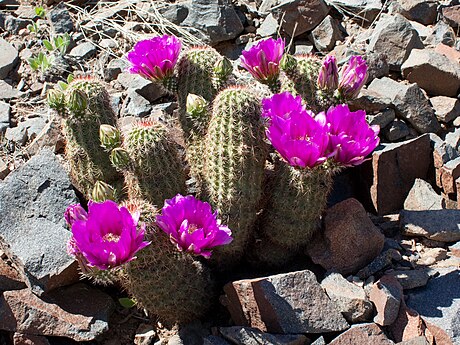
55,99
223,68
196,105
352,77
288,62
74,212
102,191
77,101
119,158
110,137
328,77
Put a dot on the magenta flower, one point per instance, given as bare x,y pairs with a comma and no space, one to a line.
74,212
192,226
263,60
107,237
352,77
328,77
351,138
299,137
155,58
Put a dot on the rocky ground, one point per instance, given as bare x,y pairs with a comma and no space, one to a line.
384,270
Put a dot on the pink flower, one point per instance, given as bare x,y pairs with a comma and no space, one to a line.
351,138
107,236
192,226
352,77
74,212
155,58
328,77
263,60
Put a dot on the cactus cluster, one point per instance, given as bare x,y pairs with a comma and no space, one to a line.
270,204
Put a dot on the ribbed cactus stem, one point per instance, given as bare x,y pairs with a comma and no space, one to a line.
235,158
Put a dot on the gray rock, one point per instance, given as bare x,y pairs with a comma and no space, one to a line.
60,20
442,33
216,19
151,91
33,126
421,11
394,36
384,260
423,197
433,72
439,305
269,27
135,105
16,135
383,118
175,13
397,130
33,199
367,9
410,103
5,110
7,92
378,67
438,225
326,34
303,47
213,340
422,30
370,100
446,109
253,336
8,59
114,68
83,51
349,298
14,25
442,151
453,138
319,341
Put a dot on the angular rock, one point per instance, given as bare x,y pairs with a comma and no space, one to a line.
432,71
349,241
446,108
410,103
411,279
326,34
386,294
213,340
33,199
394,36
397,130
384,260
14,25
288,303
5,110
7,92
415,341
78,312
450,172
423,197
216,19
269,26
370,100
442,33
298,16
252,336
362,334
442,152
455,249
27,339
149,90
421,11
135,105
60,20
453,139
451,15
422,30
83,51
8,58
34,126
114,68
438,225
319,341
16,135
10,279
439,306
349,298
408,325
175,13
383,118
367,9
451,53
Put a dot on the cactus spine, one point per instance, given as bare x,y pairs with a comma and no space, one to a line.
235,159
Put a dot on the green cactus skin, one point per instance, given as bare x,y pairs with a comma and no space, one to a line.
88,160
198,75
296,204
169,284
155,171
235,159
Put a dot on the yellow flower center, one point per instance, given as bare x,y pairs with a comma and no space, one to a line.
111,237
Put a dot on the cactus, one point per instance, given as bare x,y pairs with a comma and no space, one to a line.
85,106
167,283
235,159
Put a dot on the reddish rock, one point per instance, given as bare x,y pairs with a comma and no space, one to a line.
451,53
450,172
10,279
27,339
408,325
445,108
77,312
455,249
288,303
362,334
452,15
349,241
386,294
440,336
416,341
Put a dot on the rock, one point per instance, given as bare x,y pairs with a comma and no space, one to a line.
423,197
410,103
33,126
455,249
415,341
421,11
453,139
319,341
362,334
367,9
4,169
432,71
33,199
393,172
377,66
135,105
78,312
288,303
326,34
422,30
384,260
213,340
449,173
303,47
383,118
216,19
349,241
149,90
408,325
397,130
10,279
8,58
438,225
371,101
83,51
349,298
60,20
16,135
436,254
411,279
252,336
296,16
6,90
439,306
386,294
394,36
175,13
145,334
27,339
451,53
15,25
114,68
269,27
451,15
5,110
442,151
442,33
446,108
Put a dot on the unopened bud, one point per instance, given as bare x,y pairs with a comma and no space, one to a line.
102,191
223,68
110,137
119,158
328,77
55,99
196,105
76,101
288,62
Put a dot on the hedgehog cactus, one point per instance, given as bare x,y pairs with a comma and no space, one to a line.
235,159
84,106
